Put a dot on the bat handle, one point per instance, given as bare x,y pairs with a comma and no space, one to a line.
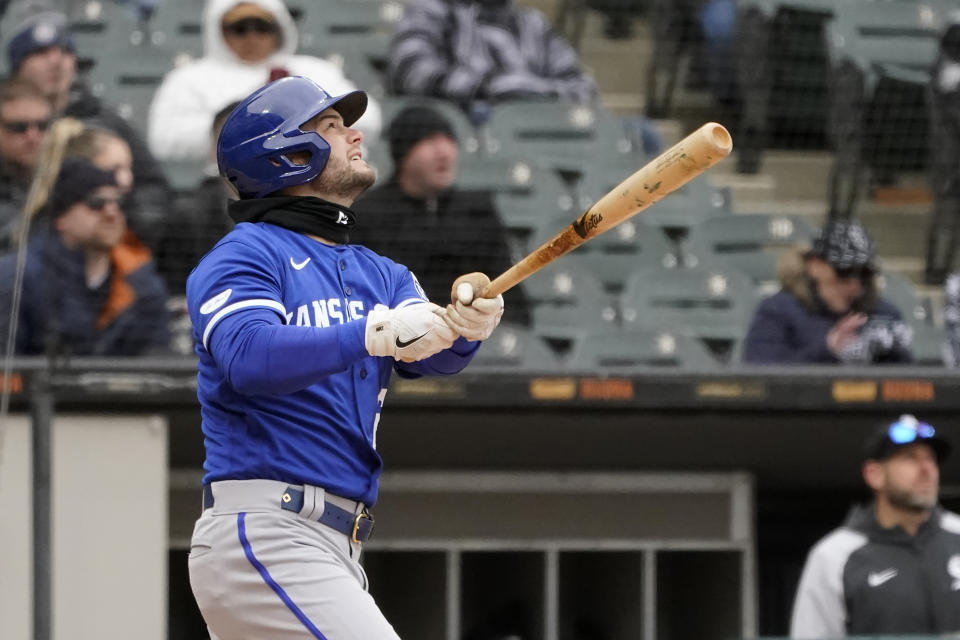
470,286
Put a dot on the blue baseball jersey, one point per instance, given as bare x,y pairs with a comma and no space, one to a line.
286,387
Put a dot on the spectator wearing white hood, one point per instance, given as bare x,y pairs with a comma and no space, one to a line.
246,44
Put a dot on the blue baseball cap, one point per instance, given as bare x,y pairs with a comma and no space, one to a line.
39,31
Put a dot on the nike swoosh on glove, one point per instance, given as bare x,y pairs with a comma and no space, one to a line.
409,333
477,320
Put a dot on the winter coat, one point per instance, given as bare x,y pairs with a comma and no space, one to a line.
464,51
183,108
126,315
791,326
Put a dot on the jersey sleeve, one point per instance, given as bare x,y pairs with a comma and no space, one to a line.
234,276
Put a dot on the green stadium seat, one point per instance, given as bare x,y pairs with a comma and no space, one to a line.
929,346
515,349
567,301
916,309
637,351
710,303
750,243
614,255
880,56
549,199
506,175
554,134
178,25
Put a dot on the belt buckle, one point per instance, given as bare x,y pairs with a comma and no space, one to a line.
356,524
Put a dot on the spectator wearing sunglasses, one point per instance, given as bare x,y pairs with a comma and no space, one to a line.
24,119
246,45
42,52
83,291
828,310
894,565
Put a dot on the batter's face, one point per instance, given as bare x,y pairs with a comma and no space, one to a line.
430,166
23,125
95,224
908,480
51,70
346,174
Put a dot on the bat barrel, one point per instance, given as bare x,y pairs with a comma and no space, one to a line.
669,171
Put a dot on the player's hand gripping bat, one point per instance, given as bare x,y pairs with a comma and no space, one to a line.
667,172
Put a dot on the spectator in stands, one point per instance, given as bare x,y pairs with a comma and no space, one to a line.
246,45
420,219
828,310
467,51
25,116
894,565
42,53
84,292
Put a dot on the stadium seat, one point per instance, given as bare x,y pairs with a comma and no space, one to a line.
568,301
929,345
348,27
549,199
178,25
916,309
880,56
612,256
507,175
710,303
750,244
782,74
637,351
549,133
128,76
515,349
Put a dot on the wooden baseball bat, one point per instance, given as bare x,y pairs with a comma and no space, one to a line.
667,172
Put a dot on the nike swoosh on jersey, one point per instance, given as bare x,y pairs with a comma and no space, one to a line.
401,344
298,265
878,578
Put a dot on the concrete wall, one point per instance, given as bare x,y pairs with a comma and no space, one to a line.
109,528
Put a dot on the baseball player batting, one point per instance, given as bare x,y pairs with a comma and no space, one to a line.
298,333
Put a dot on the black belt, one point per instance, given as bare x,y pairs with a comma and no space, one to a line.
357,526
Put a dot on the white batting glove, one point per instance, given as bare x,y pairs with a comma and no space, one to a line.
477,318
409,333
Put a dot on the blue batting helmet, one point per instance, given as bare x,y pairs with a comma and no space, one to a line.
257,135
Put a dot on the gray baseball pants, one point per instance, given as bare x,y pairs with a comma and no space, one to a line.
259,572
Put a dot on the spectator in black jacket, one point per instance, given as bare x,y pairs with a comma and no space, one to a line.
893,568
828,310
41,52
83,291
421,220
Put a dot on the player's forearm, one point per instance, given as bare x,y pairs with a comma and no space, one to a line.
447,362
259,357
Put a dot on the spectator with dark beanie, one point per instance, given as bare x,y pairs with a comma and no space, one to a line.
419,218
84,292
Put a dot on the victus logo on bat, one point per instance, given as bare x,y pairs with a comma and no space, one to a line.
587,223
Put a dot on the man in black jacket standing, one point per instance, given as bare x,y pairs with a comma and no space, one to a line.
894,565
420,219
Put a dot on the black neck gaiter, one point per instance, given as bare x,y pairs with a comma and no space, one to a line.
303,214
